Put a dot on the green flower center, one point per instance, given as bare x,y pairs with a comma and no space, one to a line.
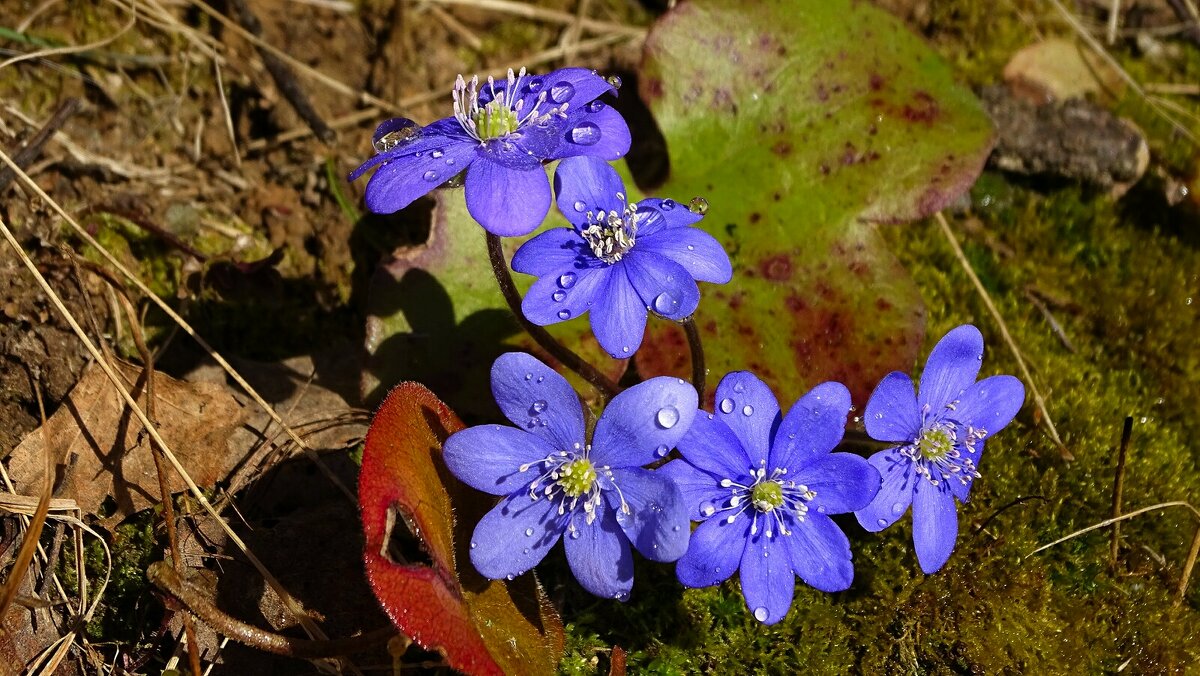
935,444
495,119
766,495
577,477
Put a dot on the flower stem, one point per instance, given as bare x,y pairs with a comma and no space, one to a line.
607,388
699,373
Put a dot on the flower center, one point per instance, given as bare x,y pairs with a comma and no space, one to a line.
611,234
577,477
935,443
945,450
505,114
770,500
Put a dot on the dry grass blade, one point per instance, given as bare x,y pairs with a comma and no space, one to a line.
528,11
1123,517
73,49
288,600
1008,339
34,530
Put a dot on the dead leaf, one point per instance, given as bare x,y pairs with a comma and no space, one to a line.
1058,69
107,452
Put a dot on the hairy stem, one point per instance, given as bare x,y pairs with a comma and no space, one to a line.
699,373
607,388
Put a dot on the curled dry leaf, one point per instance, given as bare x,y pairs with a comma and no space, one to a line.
106,451
481,626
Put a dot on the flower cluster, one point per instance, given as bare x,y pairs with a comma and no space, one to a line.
760,483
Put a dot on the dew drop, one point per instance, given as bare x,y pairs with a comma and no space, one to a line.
691,248
508,577
391,133
586,134
559,295
564,314
675,528
625,349
528,532
436,154
526,550
450,161
747,410
820,509
613,81
562,92
661,451
430,175
595,106
579,206
667,205
882,523
707,509
665,303
898,508
537,407
667,417
541,378
575,535
474,544
566,280
535,84
528,376
739,387
698,205
760,614
726,406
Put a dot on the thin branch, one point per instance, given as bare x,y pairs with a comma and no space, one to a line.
1119,488
699,373
1123,517
33,148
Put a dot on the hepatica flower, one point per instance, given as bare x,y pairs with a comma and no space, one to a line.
620,260
500,133
763,485
595,497
939,435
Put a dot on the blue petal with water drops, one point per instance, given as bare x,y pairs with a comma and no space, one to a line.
643,423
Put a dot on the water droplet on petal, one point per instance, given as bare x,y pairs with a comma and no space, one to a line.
535,84
436,154
528,532
761,614
882,523
820,509
739,387
537,407
898,508
564,314
625,349
579,206
528,376
391,133
691,248
595,106
667,417
665,304
747,410
559,295
698,205
474,544
667,205
586,134
707,509
566,280
613,81
726,406
661,451
575,535
430,175
675,528
562,92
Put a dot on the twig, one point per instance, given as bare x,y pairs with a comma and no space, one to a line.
1119,488
166,579
1123,517
528,11
607,388
1188,566
33,147
1050,319
1012,345
1019,501
699,373
283,76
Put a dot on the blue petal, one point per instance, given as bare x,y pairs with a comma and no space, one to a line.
697,251
400,180
748,407
935,525
663,214
990,404
585,84
813,426
663,285
843,482
768,582
552,250
820,553
489,457
507,202
712,447
550,301
657,524
696,486
619,318
892,413
583,184
537,399
599,554
641,424
713,553
515,536
434,136
951,368
961,490
895,493
602,134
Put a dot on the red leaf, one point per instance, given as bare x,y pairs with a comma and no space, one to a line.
481,626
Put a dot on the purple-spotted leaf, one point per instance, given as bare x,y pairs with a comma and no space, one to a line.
803,124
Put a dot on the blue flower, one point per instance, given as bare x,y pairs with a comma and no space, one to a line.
764,485
619,261
554,482
940,435
499,134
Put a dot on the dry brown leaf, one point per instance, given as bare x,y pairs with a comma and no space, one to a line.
108,454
